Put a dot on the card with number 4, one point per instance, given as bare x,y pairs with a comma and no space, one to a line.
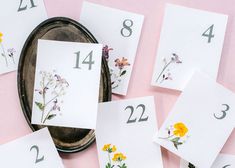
33,150
66,86
190,39
119,31
124,134
202,118
18,19
222,161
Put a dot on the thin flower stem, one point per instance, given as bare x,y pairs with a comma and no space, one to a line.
43,98
4,53
109,159
47,115
166,137
13,59
163,70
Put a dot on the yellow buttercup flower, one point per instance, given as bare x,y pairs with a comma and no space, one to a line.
119,157
180,129
1,37
114,148
106,147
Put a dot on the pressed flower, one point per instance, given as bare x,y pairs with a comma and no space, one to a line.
114,148
119,157
106,50
106,147
180,129
121,63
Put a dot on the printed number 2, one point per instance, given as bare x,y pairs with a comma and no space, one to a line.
141,119
37,150
89,62
223,111
209,33
25,7
126,30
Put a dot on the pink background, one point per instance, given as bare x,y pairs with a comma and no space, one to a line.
13,124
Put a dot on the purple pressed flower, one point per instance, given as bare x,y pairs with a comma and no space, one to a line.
176,59
11,52
106,50
60,80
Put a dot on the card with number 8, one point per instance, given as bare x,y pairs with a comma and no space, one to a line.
190,39
200,123
124,134
119,32
33,150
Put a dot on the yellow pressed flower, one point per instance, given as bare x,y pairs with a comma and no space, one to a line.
106,147
114,148
0,40
180,129
1,37
119,157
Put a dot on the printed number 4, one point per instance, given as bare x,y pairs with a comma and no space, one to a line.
141,119
223,112
25,7
89,62
37,150
209,33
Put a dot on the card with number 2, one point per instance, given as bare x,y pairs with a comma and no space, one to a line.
18,19
119,31
33,150
200,122
190,39
124,133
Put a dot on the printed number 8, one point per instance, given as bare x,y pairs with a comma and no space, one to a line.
127,24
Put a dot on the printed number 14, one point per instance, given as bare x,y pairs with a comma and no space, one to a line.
87,60
209,33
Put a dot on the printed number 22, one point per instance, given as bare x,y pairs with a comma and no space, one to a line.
224,112
25,7
209,33
141,119
37,150
126,31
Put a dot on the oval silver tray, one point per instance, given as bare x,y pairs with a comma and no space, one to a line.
61,29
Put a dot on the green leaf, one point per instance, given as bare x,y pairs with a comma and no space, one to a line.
51,116
40,106
190,165
123,73
176,146
175,139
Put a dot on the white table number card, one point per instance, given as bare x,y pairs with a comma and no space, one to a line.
33,150
190,39
200,122
66,87
124,134
222,161
18,19
119,31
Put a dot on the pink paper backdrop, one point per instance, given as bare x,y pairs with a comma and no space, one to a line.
13,124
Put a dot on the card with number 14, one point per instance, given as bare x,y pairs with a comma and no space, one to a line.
119,31
190,39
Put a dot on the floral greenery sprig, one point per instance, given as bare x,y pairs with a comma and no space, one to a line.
118,158
53,86
190,165
165,74
10,52
176,134
120,63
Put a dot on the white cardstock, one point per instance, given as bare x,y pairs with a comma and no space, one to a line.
66,87
33,150
18,19
190,39
124,134
119,31
200,123
222,161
